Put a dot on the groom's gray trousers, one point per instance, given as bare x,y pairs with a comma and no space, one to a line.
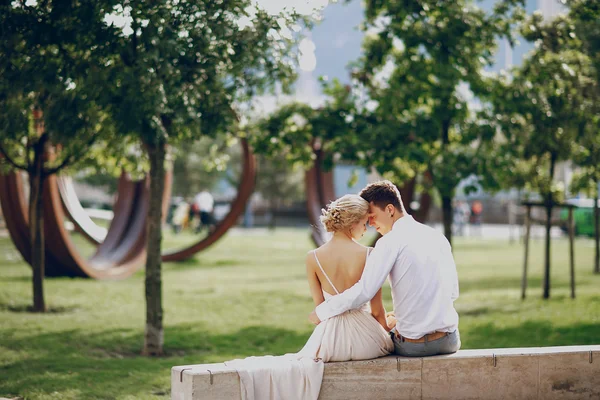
447,344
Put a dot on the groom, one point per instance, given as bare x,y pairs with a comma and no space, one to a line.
422,273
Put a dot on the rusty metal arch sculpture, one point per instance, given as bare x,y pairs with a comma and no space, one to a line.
320,192
113,259
84,225
245,189
123,207
122,251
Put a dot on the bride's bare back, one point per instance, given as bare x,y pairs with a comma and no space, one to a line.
343,262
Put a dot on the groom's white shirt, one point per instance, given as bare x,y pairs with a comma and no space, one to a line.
422,272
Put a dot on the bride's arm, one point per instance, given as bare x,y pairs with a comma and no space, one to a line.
378,311
313,280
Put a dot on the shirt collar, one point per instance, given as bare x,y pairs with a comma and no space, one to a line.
406,220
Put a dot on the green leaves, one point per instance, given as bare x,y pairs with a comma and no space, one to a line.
193,63
434,55
52,62
288,133
546,109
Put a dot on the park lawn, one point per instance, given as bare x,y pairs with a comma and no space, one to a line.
247,295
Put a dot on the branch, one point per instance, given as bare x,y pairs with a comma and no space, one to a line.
11,161
27,151
74,158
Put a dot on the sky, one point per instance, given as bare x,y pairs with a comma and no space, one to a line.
325,51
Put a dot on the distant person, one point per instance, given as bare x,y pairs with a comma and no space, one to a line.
205,205
512,211
180,216
461,214
476,211
476,214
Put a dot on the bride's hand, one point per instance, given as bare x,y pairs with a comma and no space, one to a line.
313,318
390,320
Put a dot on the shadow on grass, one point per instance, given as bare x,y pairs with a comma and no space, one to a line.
468,285
530,334
201,263
20,278
475,312
28,308
477,246
107,364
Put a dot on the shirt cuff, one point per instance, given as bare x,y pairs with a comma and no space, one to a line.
323,311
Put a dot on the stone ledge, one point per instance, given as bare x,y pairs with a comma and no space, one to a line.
569,372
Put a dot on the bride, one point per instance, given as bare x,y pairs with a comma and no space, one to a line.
357,334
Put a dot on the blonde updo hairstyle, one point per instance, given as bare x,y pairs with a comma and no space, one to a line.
343,213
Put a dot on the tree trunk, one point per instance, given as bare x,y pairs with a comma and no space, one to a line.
447,217
273,210
154,335
547,253
549,204
446,200
36,225
597,232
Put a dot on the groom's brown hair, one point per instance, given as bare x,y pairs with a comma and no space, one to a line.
382,193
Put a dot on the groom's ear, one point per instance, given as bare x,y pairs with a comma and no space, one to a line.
390,208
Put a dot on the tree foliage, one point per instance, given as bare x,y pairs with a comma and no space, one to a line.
542,110
51,117
585,16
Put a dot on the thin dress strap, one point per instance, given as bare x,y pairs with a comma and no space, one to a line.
323,271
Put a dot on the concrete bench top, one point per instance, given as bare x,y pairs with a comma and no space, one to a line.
567,372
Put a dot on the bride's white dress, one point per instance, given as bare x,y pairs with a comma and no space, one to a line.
353,335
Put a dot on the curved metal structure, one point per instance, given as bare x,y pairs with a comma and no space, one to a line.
319,193
114,259
121,251
88,228
244,191
82,222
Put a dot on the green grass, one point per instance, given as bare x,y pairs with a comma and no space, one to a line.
247,295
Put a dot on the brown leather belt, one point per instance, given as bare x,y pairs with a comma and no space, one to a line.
427,338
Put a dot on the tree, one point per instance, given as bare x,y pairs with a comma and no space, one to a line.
587,179
540,110
586,19
51,120
421,72
180,69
